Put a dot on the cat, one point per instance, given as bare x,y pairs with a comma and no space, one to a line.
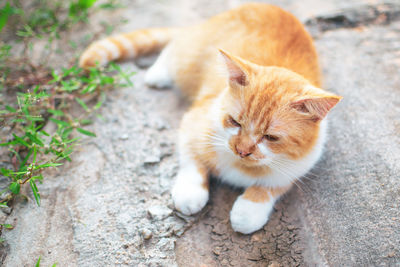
258,115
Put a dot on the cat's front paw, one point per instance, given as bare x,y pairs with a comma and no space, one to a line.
189,198
248,216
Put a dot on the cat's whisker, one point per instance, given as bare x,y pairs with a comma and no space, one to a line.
308,191
293,180
283,169
289,164
215,137
309,176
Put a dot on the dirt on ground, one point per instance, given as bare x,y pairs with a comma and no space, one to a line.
212,242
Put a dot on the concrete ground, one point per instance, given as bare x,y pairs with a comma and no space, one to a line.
111,206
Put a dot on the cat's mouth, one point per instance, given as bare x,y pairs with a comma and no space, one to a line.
249,161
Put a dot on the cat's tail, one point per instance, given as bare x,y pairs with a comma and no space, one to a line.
126,45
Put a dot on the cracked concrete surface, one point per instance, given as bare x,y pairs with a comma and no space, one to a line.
111,205
212,242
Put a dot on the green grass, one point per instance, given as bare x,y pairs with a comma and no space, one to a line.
31,148
38,263
33,96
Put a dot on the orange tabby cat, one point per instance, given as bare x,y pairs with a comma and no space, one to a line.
260,126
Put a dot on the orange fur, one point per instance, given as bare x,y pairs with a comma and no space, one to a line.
268,99
262,34
204,173
262,194
129,45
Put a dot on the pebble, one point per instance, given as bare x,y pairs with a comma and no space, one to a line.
151,159
6,210
147,234
124,137
225,262
217,251
219,229
391,254
274,264
165,244
161,124
159,212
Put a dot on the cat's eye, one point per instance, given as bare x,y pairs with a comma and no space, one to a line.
271,138
233,122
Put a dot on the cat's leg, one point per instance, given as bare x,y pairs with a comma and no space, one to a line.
190,191
158,74
251,210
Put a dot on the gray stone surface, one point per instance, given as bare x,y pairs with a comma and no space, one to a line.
111,205
353,209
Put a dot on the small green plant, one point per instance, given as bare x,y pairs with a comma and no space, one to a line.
35,96
7,226
5,12
48,16
38,263
31,148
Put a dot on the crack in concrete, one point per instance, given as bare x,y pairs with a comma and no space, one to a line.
277,243
381,14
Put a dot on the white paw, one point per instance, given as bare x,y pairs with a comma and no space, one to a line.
157,78
189,198
248,217
158,75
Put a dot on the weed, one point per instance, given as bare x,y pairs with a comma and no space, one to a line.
32,149
35,96
38,263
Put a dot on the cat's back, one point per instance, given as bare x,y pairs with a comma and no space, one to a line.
261,33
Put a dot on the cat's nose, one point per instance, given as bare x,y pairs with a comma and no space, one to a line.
242,153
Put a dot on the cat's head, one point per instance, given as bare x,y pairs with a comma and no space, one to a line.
270,111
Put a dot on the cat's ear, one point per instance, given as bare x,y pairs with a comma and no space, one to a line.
236,70
317,105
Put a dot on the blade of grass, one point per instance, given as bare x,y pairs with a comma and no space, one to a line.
5,12
35,191
83,105
85,132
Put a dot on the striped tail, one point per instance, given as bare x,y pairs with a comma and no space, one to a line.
126,45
